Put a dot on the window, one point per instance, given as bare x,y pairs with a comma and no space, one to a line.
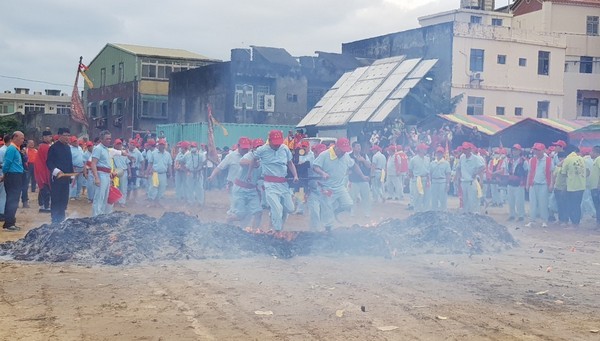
103,77
292,98
586,64
518,111
34,108
244,96
157,109
592,26
496,22
476,60
112,69
475,19
500,111
502,59
63,109
542,109
121,72
475,105
148,71
261,91
522,61
543,63
590,107
162,69
6,108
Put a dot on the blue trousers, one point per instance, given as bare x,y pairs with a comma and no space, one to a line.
156,193
279,199
100,205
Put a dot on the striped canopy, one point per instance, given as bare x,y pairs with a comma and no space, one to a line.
488,125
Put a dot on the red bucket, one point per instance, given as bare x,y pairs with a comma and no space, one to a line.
114,195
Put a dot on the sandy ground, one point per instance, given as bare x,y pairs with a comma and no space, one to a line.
545,289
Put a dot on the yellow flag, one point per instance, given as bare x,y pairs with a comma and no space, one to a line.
215,122
87,79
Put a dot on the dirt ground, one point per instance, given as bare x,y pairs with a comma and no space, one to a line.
545,289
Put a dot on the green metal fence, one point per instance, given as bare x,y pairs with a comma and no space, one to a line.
198,132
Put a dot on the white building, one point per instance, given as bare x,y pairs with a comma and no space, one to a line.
21,101
536,58
578,22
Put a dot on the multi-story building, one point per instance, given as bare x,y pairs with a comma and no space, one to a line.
258,85
578,21
528,63
24,102
498,70
131,86
38,110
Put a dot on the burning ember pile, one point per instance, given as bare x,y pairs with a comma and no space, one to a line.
120,238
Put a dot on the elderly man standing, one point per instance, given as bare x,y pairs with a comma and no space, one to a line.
60,161
470,166
275,159
332,166
101,169
12,169
539,181
159,167
418,172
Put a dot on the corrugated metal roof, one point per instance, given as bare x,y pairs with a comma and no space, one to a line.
369,93
149,51
275,55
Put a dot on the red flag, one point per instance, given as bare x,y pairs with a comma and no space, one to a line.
212,155
77,112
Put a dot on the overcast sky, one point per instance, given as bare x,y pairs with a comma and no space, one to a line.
42,40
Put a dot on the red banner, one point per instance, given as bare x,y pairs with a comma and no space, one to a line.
77,111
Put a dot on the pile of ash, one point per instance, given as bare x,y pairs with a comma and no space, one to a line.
446,233
121,238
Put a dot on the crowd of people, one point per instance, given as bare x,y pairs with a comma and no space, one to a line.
288,175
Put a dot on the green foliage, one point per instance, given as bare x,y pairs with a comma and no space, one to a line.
9,125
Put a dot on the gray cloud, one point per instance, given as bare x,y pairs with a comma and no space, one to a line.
42,40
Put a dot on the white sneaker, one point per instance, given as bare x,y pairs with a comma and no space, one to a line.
529,224
544,225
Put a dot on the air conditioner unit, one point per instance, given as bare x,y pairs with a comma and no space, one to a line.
270,103
477,76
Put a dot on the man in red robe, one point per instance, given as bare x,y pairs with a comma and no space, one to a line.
42,174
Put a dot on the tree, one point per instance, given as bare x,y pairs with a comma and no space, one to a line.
8,125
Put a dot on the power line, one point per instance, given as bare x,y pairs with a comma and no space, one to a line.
35,81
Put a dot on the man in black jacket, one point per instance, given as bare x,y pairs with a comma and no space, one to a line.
59,162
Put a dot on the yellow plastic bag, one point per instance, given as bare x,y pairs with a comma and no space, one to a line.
155,181
420,188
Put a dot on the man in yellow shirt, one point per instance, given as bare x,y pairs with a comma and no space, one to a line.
574,168
595,182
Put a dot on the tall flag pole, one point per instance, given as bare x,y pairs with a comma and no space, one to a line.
77,111
212,155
